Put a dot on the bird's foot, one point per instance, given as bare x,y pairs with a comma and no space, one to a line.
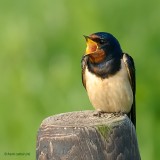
98,113
118,114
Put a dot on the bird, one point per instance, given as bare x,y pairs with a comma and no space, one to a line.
108,75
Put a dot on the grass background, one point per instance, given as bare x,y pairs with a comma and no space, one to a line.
41,46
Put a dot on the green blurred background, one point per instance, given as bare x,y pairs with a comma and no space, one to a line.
41,46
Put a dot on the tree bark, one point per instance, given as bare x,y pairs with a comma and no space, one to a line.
82,136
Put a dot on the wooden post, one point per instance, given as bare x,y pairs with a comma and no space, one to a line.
82,136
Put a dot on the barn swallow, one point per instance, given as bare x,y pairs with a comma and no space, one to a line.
108,75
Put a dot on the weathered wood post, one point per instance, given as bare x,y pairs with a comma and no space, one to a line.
82,136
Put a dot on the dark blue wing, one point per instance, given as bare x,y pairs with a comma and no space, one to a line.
83,66
128,60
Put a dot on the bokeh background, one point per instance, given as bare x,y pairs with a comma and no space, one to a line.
41,46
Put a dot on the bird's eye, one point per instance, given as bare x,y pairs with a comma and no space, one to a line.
102,41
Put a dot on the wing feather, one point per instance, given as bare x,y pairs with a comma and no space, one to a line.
128,60
83,66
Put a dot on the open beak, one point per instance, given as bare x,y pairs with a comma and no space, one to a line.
91,45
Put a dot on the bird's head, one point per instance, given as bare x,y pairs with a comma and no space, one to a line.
102,45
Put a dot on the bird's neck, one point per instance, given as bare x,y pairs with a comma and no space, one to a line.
97,57
108,67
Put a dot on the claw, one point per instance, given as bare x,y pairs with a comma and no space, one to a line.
98,113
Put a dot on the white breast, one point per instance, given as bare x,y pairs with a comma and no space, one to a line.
113,94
